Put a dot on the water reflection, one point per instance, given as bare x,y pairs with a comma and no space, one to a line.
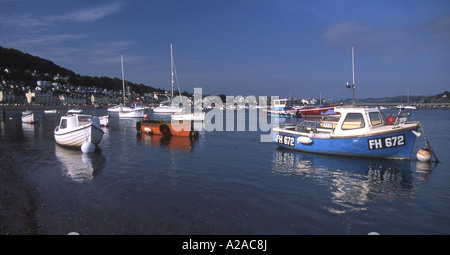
80,167
352,182
180,143
29,132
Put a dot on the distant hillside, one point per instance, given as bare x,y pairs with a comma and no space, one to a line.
17,66
440,98
19,61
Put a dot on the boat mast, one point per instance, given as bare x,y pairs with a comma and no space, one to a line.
353,84
353,71
171,65
123,79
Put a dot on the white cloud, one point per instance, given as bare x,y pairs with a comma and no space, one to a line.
85,15
89,15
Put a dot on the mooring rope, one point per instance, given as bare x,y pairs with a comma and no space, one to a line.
427,143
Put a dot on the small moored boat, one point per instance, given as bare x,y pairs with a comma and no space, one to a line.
359,132
189,116
314,111
74,130
136,110
104,120
74,111
28,117
173,128
167,107
115,108
281,108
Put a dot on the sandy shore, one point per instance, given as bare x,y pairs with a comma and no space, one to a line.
18,199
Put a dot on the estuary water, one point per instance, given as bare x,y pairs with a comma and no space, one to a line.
226,182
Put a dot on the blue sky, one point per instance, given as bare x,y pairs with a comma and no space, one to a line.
244,47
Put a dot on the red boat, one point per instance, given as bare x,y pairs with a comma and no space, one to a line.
315,111
160,127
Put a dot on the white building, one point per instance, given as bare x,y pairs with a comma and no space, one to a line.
45,97
75,99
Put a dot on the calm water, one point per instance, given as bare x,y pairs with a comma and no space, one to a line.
227,183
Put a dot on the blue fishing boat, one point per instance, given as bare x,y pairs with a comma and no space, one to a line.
352,131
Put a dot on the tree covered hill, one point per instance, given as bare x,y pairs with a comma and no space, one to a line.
17,66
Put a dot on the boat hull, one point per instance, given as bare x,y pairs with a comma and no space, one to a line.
77,136
29,118
189,116
314,111
104,120
74,111
115,109
280,114
168,109
176,128
395,145
133,113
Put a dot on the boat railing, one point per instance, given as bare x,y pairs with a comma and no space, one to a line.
308,126
403,116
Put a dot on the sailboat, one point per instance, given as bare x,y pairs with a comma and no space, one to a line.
406,107
29,117
133,111
168,105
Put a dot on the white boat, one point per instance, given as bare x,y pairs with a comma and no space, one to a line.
50,111
189,116
168,106
104,120
115,108
74,111
406,107
136,110
130,112
281,108
28,117
74,130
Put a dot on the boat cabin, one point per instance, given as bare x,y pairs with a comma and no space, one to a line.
349,121
360,120
280,104
71,121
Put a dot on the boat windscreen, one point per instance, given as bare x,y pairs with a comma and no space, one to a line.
82,120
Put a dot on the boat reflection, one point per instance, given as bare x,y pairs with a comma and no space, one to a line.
80,167
424,169
181,143
352,182
28,130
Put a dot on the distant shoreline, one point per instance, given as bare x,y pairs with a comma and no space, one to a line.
47,107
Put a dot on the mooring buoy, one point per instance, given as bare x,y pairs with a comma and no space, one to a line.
424,154
87,147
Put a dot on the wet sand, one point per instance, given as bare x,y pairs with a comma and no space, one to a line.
18,199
